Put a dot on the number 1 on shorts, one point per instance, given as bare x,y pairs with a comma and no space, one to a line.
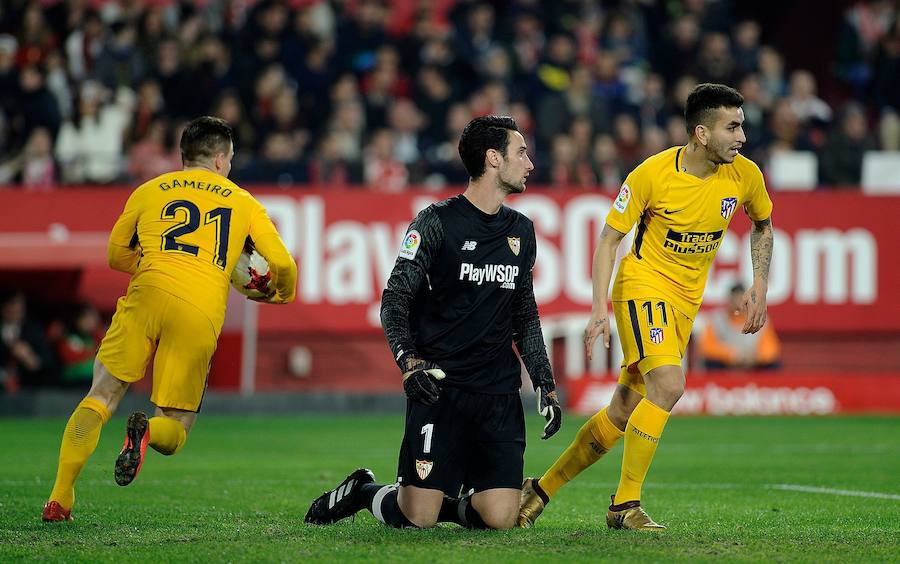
427,431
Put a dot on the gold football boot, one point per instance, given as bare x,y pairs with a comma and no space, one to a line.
628,515
534,500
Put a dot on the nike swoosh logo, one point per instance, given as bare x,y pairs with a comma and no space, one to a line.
667,211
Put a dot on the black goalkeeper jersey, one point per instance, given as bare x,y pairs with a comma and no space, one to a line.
461,292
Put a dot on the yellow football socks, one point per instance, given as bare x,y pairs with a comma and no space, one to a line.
167,436
642,434
78,443
593,440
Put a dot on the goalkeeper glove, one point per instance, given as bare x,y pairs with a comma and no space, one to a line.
420,381
548,406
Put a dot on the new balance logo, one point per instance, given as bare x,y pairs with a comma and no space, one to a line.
338,494
469,245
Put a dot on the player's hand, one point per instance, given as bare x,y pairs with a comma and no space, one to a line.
271,298
548,406
597,326
754,303
420,382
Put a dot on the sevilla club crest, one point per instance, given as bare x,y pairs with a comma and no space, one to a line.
514,244
423,468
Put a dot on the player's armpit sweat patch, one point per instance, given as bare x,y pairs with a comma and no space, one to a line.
411,244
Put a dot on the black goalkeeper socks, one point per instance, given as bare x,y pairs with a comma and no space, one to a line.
460,511
382,502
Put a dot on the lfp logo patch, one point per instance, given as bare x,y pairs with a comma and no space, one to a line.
656,335
622,199
728,206
410,245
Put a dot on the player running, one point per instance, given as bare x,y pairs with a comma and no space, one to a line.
683,200
179,237
459,295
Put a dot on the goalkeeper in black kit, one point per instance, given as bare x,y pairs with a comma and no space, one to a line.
459,296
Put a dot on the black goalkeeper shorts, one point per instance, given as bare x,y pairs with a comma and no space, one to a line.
466,439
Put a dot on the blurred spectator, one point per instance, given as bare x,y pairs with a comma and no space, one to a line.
25,358
865,23
802,96
36,39
151,156
746,46
120,63
36,105
887,69
231,109
628,140
714,62
676,52
434,94
553,72
567,168
84,45
407,122
33,168
38,167
382,171
557,110
89,146
9,76
889,131
329,168
771,72
279,163
77,348
842,155
606,164
786,132
724,347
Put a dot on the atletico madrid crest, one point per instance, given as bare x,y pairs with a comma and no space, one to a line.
656,335
514,244
728,205
423,468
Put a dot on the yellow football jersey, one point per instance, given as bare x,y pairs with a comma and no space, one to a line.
682,221
184,231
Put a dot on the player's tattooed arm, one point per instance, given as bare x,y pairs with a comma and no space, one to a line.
407,278
754,302
761,238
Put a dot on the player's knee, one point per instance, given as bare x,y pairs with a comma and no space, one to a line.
499,518
423,518
666,394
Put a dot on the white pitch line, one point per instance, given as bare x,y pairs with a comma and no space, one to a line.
832,491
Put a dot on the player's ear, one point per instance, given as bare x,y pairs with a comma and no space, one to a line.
494,158
702,133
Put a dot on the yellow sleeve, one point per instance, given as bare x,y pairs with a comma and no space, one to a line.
281,263
756,202
632,201
124,250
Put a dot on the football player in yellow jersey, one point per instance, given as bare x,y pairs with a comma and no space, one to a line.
682,200
179,237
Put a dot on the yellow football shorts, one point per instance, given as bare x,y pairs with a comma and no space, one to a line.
149,320
653,334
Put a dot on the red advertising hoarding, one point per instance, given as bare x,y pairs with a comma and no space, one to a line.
836,265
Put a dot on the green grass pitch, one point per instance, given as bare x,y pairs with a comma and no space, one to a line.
240,488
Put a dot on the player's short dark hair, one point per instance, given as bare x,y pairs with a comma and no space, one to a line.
204,138
705,98
481,134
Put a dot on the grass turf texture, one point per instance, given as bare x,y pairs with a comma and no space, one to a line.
241,486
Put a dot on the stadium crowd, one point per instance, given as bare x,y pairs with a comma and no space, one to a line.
370,93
